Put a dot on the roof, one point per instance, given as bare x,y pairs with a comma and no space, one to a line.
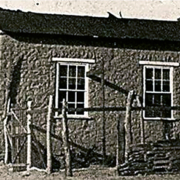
110,27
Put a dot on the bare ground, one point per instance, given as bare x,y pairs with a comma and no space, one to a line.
86,174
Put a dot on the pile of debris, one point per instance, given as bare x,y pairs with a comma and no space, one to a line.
152,158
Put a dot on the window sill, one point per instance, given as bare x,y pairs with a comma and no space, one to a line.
74,117
160,119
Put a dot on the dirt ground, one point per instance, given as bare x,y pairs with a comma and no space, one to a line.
89,174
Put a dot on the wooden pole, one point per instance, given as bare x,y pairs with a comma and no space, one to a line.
65,134
6,157
141,120
48,136
120,140
29,138
103,115
127,125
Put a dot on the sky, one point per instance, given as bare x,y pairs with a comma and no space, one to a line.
143,9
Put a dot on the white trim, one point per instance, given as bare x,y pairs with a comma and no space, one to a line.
67,61
158,63
74,60
57,88
170,91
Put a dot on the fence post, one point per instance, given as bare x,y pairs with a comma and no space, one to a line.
48,136
65,134
29,138
127,125
6,157
141,120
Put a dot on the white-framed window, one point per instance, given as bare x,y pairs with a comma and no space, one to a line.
158,92
72,84
158,89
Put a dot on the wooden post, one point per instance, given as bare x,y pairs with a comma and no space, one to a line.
6,157
127,125
120,140
65,134
29,138
48,136
103,115
141,120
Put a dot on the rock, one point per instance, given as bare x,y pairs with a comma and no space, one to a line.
25,173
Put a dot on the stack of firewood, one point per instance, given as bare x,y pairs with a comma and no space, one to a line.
154,158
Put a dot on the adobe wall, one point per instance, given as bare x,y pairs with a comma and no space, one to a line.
34,77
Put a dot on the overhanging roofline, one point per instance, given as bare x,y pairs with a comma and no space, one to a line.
88,26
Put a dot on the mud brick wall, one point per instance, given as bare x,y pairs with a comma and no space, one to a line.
28,62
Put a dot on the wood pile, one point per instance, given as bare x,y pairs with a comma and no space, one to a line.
153,158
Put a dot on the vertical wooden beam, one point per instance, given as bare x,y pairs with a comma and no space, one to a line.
103,115
48,136
127,125
6,157
139,104
65,134
29,138
120,140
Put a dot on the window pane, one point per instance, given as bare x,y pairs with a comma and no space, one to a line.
72,71
62,95
157,73
80,106
166,100
166,113
149,73
71,96
149,99
72,83
149,112
166,74
63,83
81,84
81,71
156,112
63,70
149,85
80,96
157,85
157,99
71,106
166,86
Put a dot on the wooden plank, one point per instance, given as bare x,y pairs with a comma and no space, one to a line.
48,136
120,108
65,134
107,83
29,138
20,123
103,114
19,150
36,143
60,139
6,157
127,125
139,104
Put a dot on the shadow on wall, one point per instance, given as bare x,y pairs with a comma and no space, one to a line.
16,76
129,43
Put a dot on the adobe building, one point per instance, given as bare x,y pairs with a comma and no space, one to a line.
92,62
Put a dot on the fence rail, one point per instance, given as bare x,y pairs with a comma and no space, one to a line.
119,108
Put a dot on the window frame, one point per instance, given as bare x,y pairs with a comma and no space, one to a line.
159,66
76,62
